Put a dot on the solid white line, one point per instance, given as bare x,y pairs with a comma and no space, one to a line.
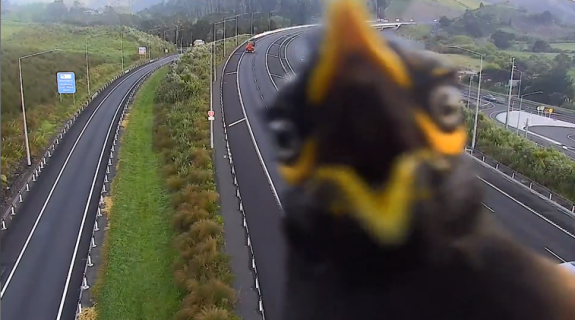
81,229
571,137
555,255
526,207
235,122
52,190
267,68
266,171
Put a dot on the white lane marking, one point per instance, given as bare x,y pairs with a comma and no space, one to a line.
267,69
528,208
555,255
235,122
571,137
266,171
487,207
53,188
81,229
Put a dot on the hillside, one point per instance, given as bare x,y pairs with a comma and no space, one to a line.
45,111
488,19
563,9
428,10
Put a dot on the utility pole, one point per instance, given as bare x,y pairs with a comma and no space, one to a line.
510,92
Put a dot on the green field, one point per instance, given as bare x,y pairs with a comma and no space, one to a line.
136,278
570,46
45,111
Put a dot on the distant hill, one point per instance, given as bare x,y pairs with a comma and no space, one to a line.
484,21
563,9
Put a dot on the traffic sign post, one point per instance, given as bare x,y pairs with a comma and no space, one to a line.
66,84
142,52
211,115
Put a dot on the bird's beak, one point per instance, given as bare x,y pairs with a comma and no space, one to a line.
349,35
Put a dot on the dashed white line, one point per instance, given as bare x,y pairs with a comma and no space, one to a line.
487,207
31,234
262,162
236,122
81,229
528,208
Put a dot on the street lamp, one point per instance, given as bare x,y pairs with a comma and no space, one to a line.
520,103
87,60
476,119
270,19
510,92
237,28
150,42
224,22
214,42
252,22
24,122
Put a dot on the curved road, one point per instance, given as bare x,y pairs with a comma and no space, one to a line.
250,82
44,249
559,134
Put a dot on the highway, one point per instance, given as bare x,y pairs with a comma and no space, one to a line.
250,82
561,135
44,249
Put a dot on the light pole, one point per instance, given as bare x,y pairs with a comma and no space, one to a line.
237,27
469,90
150,42
224,22
252,22
24,122
87,59
214,43
270,19
520,103
165,35
476,119
510,92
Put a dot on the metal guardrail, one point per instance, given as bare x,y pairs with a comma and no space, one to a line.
21,196
535,187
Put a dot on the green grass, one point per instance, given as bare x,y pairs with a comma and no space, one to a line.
45,112
9,28
564,46
137,278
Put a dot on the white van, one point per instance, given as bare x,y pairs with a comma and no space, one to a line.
198,42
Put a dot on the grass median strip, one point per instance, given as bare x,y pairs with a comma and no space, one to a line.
136,277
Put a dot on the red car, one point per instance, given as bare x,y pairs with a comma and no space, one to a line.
250,47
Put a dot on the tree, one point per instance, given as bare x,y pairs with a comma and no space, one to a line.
541,46
502,39
445,22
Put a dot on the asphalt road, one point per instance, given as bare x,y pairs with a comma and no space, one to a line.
250,83
42,258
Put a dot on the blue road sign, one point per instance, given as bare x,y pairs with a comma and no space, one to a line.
66,82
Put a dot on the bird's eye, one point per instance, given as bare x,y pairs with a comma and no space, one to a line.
445,107
287,140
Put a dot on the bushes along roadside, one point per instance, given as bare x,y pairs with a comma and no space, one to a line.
182,136
545,166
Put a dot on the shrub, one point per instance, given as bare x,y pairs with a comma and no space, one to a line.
181,135
545,166
45,112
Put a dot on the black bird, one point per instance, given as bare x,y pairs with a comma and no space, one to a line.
384,216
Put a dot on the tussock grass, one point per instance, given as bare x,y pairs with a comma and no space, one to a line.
181,136
135,278
88,314
44,110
